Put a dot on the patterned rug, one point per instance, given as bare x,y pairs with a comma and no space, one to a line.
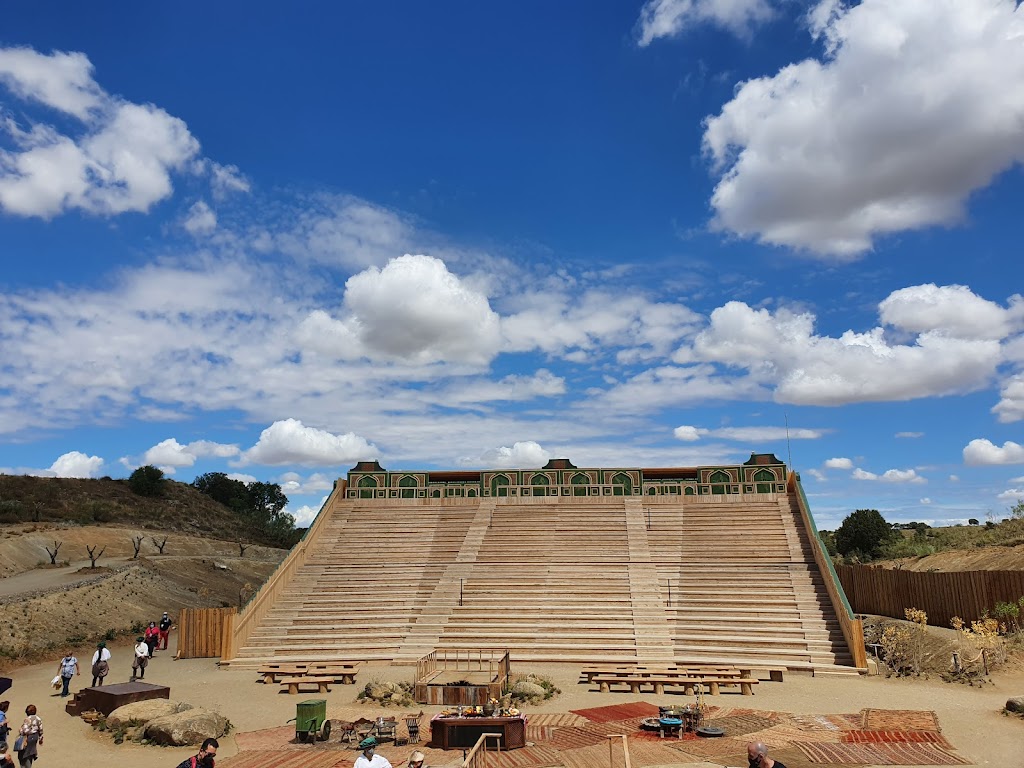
898,720
784,734
738,725
894,737
636,709
880,754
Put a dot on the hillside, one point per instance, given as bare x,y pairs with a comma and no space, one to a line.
45,608
89,502
993,557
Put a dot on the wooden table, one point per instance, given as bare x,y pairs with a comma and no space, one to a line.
463,732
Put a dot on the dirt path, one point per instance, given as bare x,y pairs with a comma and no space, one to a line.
970,717
47,579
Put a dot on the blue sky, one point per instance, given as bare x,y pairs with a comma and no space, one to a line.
272,242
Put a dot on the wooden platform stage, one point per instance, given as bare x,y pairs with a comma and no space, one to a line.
107,698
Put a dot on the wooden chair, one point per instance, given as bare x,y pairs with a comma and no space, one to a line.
387,728
412,725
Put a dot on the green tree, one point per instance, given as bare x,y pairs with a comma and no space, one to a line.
828,539
228,491
863,534
147,481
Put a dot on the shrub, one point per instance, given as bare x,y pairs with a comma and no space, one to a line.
147,481
531,689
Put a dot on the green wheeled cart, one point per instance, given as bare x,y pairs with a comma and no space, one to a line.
311,721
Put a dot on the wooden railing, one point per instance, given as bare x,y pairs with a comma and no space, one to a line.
259,605
852,627
477,757
967,594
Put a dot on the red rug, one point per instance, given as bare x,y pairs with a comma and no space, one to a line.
894,737
618,712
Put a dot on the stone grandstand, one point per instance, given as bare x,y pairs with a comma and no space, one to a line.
705,565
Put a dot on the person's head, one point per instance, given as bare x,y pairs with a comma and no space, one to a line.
30,709
207,752
368,745
757,752
152,623
68,655
4,705
416,759
165,614
140,639
100,646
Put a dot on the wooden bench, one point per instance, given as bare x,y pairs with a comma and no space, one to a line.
271,672
323,685
775,674
345,674
660,681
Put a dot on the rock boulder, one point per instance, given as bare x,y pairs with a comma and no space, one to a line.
1016,704
186,728
144,711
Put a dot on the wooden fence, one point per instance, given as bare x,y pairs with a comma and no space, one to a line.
204,632
967,594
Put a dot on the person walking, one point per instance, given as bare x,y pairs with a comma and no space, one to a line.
5,726
757,756
152,635
165,630
67,669
100,664
30,737
141,658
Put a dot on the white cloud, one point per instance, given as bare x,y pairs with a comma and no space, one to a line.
305,514
807,369
909,435
747,434
890,476
1012,494
76,464
294,483
226,180
839,463
915,104
818,475
953,309
117,157
1017,479
200,220
925,501
290,442
522,455
169,454
954,478
61,80
554,322
511,388
984,452
689,434
667,18
1010,407
241,477
413,310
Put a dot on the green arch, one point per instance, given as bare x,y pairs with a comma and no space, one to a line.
366,486
540,483
688,490
765,480
580,479
499,485
622,485
407,484
720,481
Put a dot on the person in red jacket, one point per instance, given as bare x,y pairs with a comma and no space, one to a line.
152,638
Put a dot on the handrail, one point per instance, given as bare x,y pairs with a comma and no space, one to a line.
625,750
477,757
852,627
249,616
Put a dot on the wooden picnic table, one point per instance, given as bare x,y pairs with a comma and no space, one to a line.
293,684
271,672
660,680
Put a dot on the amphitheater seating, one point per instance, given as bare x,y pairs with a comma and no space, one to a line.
701,581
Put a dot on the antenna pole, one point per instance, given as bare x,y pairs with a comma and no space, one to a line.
789,447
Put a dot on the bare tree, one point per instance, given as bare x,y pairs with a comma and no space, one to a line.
37,508
93,556
244,591
242,547
53,555
160,544
137,543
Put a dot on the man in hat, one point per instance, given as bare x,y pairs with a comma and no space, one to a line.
416,760
100,664
141,658
368,759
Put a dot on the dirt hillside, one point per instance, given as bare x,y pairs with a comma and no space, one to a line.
990,558
44,609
